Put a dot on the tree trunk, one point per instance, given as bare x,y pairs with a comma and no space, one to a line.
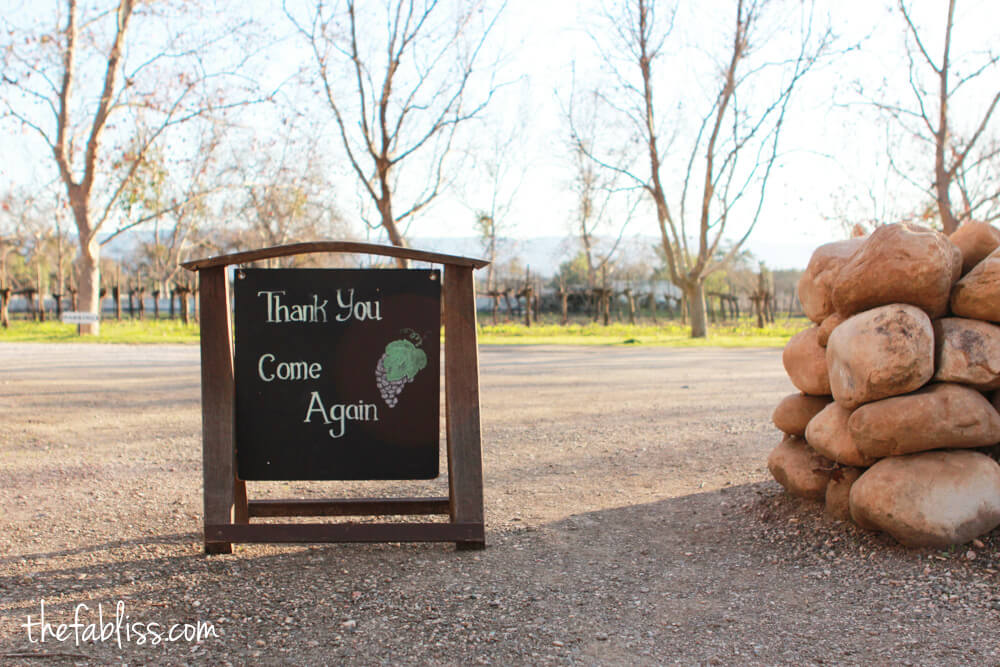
182,298
631,305
88,278
156,304
196,297
384,206
4,301
39,291
694,294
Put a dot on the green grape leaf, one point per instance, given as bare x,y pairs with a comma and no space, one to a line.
403,359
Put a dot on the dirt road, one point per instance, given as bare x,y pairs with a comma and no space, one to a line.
630,521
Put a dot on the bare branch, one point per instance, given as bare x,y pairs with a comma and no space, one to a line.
916,34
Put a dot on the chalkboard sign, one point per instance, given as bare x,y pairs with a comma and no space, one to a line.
337,373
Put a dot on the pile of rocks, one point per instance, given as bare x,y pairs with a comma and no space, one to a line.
897,422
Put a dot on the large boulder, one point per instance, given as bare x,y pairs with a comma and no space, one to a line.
898,263
932,499
976,240
827,326
816,282
940,416
977,295
838,492
829,435
795,410
799,469
879,353
967,351
805,363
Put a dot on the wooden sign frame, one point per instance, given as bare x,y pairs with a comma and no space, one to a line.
227,509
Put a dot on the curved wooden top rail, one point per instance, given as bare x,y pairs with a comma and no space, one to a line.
331,246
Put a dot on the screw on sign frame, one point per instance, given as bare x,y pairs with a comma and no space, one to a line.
228,512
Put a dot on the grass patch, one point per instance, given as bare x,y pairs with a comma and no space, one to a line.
743,333
112,331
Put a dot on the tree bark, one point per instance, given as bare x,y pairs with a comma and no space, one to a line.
182,297
88,277
4,302
39,291
694,293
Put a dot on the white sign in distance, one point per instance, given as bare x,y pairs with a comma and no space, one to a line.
74,317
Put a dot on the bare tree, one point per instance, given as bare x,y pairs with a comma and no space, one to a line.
81,85
284,195
726,169
965,163
399,85
501,173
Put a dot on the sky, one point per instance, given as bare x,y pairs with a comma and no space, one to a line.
833,147
832,165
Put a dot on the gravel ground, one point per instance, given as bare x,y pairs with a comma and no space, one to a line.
630,521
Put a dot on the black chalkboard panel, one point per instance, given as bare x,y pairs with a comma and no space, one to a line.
337,373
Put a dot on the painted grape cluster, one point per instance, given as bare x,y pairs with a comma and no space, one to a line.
397,366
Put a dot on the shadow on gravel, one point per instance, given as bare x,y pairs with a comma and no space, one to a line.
739,575
176,538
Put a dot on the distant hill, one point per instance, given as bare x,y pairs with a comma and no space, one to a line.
543,254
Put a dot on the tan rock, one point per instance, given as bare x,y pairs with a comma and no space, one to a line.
976,240
817,280
838,492
805,363
956,267
827,327
977,294
898,263
795,410
879,353
799,469
828,434
939,416
932,499
968,352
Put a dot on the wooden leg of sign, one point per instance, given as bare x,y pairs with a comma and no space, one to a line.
241,508
461,359
217,403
